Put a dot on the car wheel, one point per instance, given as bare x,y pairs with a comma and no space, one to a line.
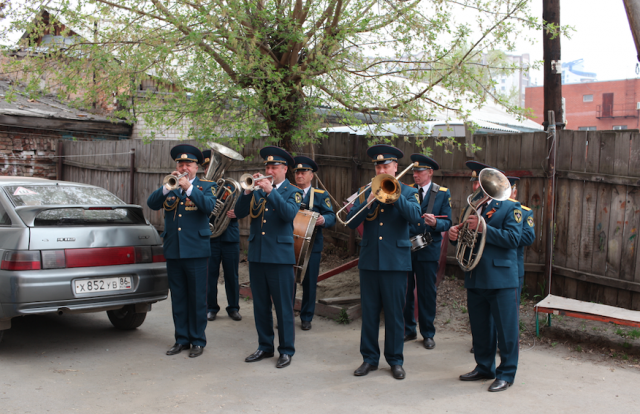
126,318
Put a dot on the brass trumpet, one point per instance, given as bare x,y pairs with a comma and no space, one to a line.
248,183
171,181
386,188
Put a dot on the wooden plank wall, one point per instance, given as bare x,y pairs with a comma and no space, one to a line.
597,195
598,214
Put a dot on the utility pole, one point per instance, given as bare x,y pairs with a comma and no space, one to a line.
552,64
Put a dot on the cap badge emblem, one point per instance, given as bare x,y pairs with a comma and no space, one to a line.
380,157
270,158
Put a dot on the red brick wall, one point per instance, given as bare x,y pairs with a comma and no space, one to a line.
583,114
24,152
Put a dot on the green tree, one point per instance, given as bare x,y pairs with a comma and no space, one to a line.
246,68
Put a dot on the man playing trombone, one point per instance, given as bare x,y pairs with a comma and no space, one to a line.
492,284
273,207
319,201
435,204
385,259
186,247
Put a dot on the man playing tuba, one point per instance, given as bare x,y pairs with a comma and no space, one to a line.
226,249
492,290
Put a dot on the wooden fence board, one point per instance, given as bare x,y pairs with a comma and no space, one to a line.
630,234
616,228
576,197
621,155
601,230
587,226
593,151
562,222
526,149
578,151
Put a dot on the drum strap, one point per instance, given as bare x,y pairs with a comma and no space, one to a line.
434,191
311,192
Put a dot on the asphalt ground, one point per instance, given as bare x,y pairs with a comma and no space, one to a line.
80,363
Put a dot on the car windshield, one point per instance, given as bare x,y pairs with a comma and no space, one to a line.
45,195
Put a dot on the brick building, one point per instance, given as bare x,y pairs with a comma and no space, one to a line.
30,130
593,105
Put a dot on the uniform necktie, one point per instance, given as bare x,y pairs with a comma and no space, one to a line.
421,194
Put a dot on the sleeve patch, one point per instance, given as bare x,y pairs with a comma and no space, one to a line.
298,198
530,221
417,198
327,203
517,214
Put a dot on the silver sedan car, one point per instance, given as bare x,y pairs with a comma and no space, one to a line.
74,248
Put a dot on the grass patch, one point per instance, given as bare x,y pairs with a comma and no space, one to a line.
343,317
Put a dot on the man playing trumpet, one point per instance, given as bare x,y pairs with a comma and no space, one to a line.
273,207
186,248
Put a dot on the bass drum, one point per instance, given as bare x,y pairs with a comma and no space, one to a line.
304,234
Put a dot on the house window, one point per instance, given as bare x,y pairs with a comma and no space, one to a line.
589,128
587,98
618,127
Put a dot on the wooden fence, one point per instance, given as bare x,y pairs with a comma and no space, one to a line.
597,197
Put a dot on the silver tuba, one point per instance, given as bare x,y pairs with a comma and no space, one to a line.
228,189
493,185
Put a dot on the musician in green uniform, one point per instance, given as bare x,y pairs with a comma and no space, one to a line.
317,200
273,207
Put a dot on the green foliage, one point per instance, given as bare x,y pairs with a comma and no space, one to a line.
578,348
542,286
634,333
553,344
522,326
343,317
626,345
238,70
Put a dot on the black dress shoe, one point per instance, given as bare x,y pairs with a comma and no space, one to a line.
410,337
429,343
284,361
364,369
177,348
196,351
258,356
211,316
499,385
474,376
471,350
235,316
306,325
398,372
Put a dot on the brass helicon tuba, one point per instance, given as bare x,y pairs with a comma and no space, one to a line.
493,185
229,189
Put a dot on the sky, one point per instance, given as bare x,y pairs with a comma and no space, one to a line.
602,38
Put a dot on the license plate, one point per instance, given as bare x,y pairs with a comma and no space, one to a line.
103,285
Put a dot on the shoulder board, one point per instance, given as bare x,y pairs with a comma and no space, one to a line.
319,191
295,186
515,201
206,181
443,188
526,208
408,185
